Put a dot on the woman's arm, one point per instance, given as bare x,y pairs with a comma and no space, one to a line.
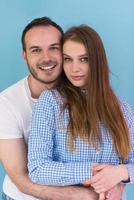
42,168
108,176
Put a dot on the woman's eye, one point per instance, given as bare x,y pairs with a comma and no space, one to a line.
66,59
84,59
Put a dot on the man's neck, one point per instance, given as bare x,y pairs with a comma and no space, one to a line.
37,87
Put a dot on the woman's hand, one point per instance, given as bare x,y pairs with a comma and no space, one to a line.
106,177
115,193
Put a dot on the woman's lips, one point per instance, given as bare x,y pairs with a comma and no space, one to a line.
77,77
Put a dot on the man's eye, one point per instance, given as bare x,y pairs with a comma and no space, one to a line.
36,50
84,59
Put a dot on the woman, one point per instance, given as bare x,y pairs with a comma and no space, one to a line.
81,133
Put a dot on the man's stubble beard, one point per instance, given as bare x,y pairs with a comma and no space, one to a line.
35,75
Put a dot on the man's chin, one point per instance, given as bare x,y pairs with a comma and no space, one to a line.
47,82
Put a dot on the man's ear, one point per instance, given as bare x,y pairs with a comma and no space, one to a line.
24,55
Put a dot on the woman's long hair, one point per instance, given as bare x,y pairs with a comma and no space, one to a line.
99,104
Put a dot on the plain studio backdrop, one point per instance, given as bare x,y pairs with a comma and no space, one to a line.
113,20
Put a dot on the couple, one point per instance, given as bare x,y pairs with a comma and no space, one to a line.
79,134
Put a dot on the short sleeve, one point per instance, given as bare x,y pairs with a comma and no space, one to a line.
9,120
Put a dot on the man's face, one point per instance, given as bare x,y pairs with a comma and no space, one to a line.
43,53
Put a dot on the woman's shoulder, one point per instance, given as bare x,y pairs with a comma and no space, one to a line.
50,96
128,111
125,106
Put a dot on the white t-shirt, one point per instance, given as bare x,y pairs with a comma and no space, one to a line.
15,114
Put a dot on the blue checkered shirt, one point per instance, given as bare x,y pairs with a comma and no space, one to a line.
50,160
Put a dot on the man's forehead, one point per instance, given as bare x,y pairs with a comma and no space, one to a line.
48,34
44,30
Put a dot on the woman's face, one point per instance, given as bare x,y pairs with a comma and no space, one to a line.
76,63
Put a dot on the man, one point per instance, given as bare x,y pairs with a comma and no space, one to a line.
41,41
42,52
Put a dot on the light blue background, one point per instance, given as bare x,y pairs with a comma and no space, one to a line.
112,19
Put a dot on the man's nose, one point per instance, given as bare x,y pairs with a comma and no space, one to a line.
46,55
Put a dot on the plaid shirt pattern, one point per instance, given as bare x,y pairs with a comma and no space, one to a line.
50,160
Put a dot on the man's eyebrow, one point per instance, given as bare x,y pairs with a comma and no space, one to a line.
34,47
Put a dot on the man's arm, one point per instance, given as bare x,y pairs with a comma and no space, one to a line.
13,154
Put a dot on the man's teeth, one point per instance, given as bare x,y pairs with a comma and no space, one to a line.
48,67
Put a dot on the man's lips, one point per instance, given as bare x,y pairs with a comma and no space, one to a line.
47,68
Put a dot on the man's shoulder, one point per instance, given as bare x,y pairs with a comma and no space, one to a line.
14,111
15,95
14,91
15,87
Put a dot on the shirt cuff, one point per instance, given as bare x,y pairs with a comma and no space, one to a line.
130,168
82,173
